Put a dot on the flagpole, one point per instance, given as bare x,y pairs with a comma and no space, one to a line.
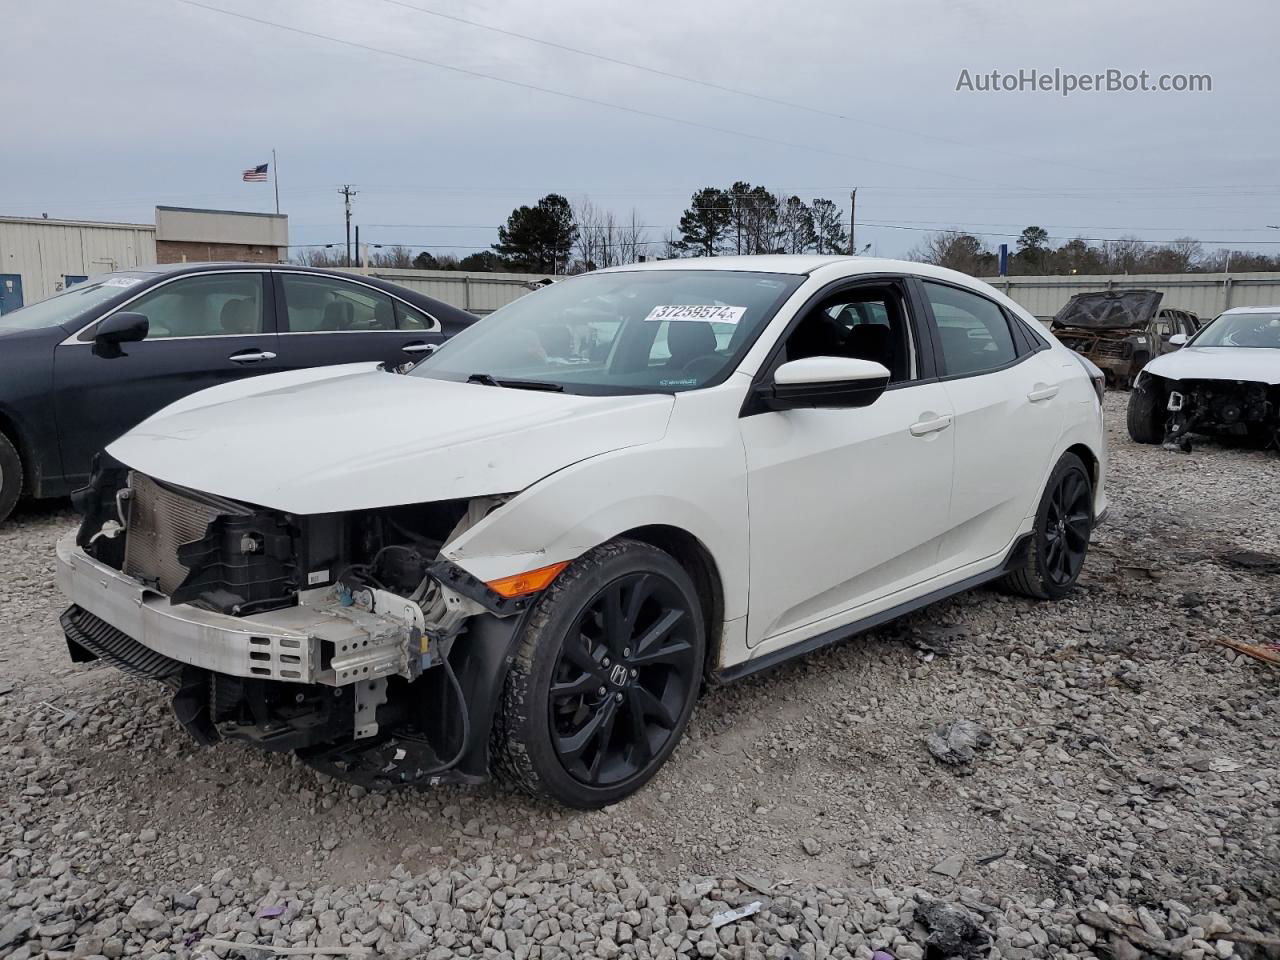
275,178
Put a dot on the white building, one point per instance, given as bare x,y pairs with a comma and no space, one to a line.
40,257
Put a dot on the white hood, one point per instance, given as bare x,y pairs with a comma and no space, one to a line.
353,437
1255,364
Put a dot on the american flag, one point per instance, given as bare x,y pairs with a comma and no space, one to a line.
256,174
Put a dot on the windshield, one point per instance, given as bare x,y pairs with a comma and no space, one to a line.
642,331
1241,330
71,304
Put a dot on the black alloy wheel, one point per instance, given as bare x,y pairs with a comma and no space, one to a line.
624,672
605,677
1067,527
1059,540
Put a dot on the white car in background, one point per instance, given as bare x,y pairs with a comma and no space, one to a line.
1224,381
528,554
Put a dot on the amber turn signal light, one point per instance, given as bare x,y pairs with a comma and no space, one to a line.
526,583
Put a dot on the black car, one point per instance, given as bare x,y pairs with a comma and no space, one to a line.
81,368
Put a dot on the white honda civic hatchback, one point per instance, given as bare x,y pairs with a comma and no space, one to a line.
526,555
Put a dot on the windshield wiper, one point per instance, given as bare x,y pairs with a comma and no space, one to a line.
489,380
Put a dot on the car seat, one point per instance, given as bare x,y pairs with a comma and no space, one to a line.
687,340
337,316
237,316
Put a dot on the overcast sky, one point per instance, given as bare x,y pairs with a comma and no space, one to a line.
113,106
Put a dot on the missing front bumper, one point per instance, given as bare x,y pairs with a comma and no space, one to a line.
324,644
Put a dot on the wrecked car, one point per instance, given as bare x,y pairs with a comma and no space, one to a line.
526,555
1120,330
1225,381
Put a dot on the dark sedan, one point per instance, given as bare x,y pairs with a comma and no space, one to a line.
81,368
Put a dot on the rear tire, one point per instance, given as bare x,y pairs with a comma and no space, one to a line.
604,680
10,477
1060,537
1146,415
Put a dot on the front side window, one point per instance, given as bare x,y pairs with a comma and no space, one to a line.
316,304
1241,330
210,305
975,336
639,331
865,323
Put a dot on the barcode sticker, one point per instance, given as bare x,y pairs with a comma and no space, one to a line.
699,312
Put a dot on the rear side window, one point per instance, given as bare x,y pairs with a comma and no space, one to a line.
408,318
975,336
318,304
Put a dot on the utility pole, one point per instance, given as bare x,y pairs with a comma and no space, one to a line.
347,193
853,206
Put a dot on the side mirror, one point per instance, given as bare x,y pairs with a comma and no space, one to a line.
825,382
1178,339
122,328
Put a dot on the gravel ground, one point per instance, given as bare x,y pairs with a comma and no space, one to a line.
1126,804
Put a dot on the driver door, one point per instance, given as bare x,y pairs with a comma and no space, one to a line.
847,506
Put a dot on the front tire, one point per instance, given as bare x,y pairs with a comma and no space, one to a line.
1060,538
1146,415
605,677
10,477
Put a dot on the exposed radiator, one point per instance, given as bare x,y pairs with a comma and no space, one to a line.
161,520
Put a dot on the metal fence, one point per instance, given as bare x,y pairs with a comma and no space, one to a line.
1205,294
479,293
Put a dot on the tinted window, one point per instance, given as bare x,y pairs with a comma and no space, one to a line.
975,336
867,323
213,305
325,305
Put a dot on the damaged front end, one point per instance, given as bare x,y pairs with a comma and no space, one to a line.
1238,409
346,637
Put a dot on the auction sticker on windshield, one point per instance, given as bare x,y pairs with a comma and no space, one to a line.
702,312
120,281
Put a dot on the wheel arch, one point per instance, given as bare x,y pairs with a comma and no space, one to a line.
697,561
1089,459
14,433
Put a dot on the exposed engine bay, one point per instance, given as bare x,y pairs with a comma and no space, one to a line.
1222,407
333,635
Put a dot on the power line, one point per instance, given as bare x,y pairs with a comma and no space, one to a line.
591,100
723,88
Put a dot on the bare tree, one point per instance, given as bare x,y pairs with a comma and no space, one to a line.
396,256
632,239
955,249
319,257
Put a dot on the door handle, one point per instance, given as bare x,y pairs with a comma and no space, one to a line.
1042,392
922,427
251,356
418,348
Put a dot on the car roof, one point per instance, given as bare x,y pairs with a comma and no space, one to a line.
799,264
1252,310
